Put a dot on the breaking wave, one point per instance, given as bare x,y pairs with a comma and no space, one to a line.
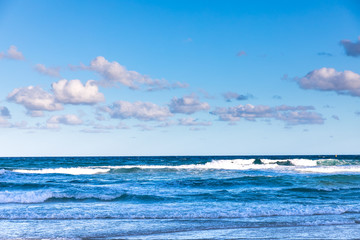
40,196
71,171
299,165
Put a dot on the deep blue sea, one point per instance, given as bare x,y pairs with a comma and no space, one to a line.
191,197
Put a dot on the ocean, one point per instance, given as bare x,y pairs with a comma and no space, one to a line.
180,197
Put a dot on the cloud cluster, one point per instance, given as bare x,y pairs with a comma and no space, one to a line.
68,119
52,72
145,111
74,92
351,48
188,105
229,96
12,53
4,120
113,73
289,114
328,79
34,99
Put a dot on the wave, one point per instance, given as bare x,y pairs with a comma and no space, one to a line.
254,164
300,165
331,169
71,171
179,211
25,197
236,164
41,196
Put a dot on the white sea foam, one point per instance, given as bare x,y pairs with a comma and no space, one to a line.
25,197
331,169
71,171
40,196
234,164
303,162
299,165
228,164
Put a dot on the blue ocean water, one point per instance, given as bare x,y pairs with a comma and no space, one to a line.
192,197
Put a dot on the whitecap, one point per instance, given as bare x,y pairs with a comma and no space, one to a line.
71,171
332,169
25,197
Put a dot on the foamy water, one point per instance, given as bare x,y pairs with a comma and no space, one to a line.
72,171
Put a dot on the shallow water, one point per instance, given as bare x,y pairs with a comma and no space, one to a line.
193,197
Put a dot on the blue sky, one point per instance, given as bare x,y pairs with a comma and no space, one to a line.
179,77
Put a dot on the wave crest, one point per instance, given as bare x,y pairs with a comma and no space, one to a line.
71,171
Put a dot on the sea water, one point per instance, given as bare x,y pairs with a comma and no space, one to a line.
192,197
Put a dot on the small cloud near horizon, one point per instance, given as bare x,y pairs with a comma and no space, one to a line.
241,53
325,54
229,96
352,49
12,53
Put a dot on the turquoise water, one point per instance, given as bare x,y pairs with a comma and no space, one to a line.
199,197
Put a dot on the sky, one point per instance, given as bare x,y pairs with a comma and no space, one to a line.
137,78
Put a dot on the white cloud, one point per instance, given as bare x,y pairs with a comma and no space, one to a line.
139,110
292,108
69,119
74,92
248,112
235,96
12,53
290,115
34,98
188,105
192,122
351,48
4,123
328,79
52,72
300,117
113,73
